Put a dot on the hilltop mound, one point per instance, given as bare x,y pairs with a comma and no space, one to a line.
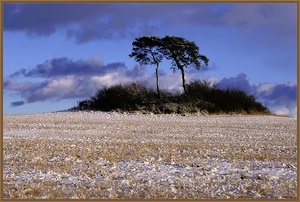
199,98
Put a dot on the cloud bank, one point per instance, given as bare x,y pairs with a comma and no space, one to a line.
63,78
96,21
280,98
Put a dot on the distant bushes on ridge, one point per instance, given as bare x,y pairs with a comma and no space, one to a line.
200,96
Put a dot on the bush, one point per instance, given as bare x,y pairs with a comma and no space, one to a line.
125,97
200,96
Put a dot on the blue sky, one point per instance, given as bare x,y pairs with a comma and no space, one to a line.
57,54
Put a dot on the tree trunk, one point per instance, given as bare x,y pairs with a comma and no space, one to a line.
183,79
157,83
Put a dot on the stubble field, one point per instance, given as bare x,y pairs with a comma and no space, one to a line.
98,155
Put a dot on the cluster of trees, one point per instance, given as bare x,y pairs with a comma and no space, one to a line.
182,53
198,95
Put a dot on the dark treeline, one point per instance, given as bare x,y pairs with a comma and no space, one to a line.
200,96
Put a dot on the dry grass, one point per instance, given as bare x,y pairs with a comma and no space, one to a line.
100,155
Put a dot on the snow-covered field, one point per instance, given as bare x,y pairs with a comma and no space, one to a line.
97,155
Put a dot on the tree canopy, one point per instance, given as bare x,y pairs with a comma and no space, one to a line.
147,50
181,52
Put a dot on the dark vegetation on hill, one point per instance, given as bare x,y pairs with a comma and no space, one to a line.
200,97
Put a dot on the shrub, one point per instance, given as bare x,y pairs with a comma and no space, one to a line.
125,97
201,95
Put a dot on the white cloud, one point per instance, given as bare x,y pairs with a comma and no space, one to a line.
266,87
282,111
292,112
95,60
